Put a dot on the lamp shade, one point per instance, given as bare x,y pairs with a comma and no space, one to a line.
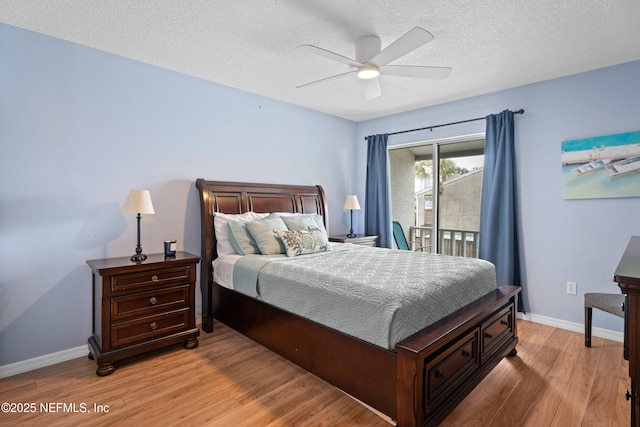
138,201
351,202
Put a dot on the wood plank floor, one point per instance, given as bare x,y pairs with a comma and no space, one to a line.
231,381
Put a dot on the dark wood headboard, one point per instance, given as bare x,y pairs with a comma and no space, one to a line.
240,197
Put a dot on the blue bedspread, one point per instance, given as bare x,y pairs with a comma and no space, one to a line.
378,295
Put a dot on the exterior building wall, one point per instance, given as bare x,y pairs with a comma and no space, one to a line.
460,202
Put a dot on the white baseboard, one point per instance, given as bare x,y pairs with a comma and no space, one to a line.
42,361
572,326
72,353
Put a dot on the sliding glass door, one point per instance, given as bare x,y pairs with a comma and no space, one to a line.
445,215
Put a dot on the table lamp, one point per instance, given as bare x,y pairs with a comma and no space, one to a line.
352,204
138,201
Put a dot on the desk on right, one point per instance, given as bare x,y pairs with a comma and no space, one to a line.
627,275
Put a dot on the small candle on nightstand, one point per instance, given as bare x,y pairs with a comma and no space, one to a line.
170,247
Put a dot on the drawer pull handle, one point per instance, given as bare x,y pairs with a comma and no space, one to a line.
504,322
153,325
488,335
154,278
153,300
439,374
465,353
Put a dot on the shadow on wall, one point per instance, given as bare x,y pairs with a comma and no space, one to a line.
178,218
103,225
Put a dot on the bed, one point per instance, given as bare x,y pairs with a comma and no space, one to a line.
418,382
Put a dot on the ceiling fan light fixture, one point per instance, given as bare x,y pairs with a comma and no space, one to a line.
370,60
368,71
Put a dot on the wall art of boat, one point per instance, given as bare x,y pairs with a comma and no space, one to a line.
624,167
591,167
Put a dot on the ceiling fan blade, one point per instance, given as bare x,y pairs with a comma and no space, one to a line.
326,79
410,41
371,88
416,71
329,55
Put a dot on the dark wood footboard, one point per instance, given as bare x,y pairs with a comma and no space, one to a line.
432,371
440,365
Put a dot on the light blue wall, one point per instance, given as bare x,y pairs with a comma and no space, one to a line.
79,128
562,240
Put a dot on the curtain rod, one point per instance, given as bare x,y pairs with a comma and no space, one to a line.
520,111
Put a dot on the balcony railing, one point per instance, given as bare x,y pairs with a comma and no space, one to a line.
451,242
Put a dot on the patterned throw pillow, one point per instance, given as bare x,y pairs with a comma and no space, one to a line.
303,241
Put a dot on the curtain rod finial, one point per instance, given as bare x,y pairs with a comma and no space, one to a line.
520,111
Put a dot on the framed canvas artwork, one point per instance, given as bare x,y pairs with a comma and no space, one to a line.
602,166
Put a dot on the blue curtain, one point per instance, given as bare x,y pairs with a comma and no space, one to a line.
377,211
498,205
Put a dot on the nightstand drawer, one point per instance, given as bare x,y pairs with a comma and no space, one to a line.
149,327
149,279
146,303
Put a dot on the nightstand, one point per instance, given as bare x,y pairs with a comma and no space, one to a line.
141,306
358,240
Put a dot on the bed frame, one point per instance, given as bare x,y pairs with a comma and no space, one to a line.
418,384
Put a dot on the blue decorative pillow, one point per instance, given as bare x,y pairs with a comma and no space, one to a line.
303,222
303,241
263,232
241,239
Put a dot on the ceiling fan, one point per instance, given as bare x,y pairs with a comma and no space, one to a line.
371,61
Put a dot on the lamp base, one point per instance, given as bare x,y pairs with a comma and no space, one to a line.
351,233
138,257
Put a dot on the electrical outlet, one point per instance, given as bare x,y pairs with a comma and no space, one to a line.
572,288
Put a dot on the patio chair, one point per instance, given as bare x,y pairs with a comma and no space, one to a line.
401,239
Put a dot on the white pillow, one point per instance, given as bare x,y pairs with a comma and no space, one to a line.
221,229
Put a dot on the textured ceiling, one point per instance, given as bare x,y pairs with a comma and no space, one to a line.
251,44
